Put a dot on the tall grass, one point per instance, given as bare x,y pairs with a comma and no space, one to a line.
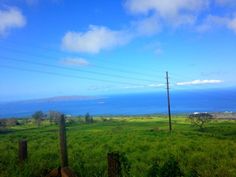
208,153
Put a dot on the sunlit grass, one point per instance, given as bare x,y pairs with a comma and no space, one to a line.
210,152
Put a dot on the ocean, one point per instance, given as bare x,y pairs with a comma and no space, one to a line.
182,102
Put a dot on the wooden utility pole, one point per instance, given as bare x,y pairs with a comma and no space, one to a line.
22,150
168,98
64,170
114,165
63,144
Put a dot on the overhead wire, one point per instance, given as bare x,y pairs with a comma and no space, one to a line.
68,75
96,66
73,69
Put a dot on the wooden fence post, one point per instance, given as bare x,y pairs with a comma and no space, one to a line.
63,144
22,150
114,165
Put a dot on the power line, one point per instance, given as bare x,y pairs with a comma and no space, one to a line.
71,69
97,66
68,75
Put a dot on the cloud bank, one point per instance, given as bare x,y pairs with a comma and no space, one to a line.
226,2
94,40
174,12
150,18
75,62
199,82
212,21
11,18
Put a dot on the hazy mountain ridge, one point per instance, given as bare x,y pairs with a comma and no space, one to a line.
56,99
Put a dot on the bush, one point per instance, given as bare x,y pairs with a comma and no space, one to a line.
169,169
124,164
9,122
12,122
70,121
2,123
154,170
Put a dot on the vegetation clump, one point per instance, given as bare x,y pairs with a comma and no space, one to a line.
170,168
200,119
54,117
38,117
88,118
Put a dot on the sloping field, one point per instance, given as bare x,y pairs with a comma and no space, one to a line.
143,140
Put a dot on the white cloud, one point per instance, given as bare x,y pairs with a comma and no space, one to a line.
94,40
175,12
156,85
132,87
151,17
75,62
11,18
165,7
232,24
147,26
226,2
37,2
199,82
212,21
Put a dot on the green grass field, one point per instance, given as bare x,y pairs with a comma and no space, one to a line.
211,153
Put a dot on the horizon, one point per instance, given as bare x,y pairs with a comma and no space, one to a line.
211,101
117,94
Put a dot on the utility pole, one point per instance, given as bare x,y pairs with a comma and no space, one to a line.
63,143
168,98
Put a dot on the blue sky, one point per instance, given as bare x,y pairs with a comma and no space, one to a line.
57,47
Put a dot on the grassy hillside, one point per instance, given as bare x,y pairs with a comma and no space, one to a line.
144,140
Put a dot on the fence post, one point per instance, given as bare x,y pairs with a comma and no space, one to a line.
63,144
114,165
22,150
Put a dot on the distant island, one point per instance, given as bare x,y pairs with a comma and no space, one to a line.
59,98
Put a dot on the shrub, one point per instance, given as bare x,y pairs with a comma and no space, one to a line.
123,169
154,170
3,123
12,122
171,168
70,121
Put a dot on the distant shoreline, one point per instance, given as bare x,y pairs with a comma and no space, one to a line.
216,115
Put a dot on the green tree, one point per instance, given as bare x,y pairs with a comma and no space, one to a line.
200,119
54,116
38,117
88,118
